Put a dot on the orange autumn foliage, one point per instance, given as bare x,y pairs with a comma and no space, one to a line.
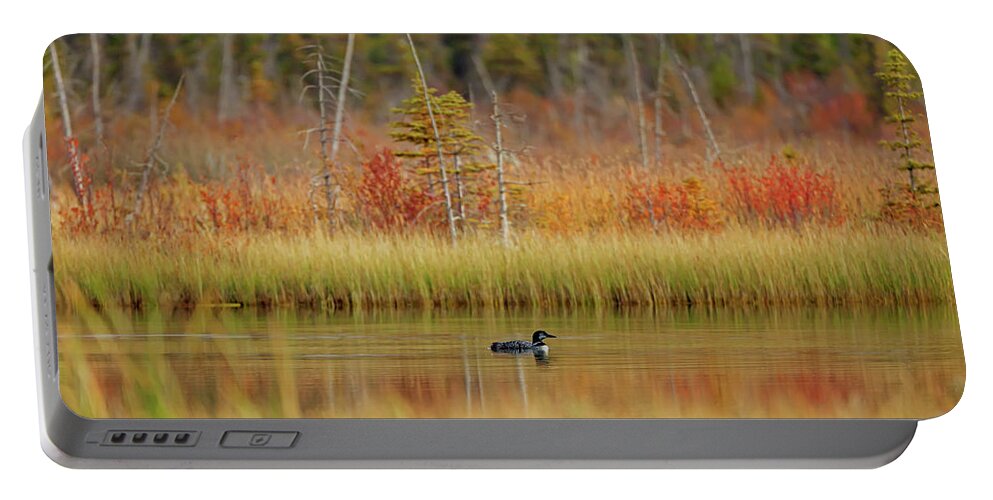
683,206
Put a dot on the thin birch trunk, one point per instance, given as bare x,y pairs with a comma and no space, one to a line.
498,149
501,181
152,158
339,111
79,184
699,108
437,142
61,90
95,87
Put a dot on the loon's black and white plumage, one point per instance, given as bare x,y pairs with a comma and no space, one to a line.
536,345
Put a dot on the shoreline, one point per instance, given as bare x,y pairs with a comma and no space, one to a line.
734,268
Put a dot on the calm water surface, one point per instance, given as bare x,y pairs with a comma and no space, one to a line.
633,363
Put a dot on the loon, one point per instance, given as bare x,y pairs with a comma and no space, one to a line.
522,346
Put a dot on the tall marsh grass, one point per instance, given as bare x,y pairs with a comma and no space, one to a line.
732,267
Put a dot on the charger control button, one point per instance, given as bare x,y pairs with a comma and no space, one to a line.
258,439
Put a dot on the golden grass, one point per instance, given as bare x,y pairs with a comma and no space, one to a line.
734,267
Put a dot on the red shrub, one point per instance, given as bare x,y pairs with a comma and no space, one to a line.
251,202
389,199
783,195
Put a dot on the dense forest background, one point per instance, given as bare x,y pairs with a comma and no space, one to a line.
574,89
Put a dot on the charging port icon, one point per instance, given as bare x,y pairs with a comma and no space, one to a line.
260,439
257,439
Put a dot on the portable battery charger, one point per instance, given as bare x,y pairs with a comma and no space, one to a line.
492,250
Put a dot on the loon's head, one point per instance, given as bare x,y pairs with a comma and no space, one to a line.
538,336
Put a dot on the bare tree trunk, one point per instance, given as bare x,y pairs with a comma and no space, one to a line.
79,182
322,106
227,99
437,142
498,149
95,87
327,174
152,158
339,111
696,102
747,66
61,90
501,181
639,103
659,92
642,145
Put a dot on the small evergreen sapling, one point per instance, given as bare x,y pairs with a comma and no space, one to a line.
452,116
917,201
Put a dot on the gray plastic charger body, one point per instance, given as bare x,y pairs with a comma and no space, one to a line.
75,441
